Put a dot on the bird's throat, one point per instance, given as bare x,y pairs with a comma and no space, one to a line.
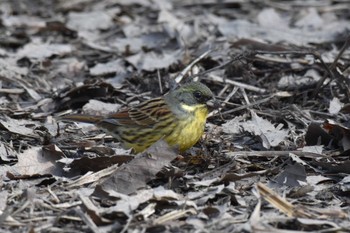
190,128
192,108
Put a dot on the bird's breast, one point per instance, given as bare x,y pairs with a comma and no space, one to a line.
190,128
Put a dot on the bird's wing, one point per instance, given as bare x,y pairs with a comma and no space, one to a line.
145,114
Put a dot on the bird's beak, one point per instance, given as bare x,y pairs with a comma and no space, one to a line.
213,104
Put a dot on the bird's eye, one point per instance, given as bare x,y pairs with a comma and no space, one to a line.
197,94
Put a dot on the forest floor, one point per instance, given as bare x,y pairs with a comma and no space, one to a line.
275,157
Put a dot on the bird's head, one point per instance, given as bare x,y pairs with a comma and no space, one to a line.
192,95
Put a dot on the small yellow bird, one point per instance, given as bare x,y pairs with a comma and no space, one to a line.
178,118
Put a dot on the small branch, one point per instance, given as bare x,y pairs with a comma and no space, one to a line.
342,50
238,84
180,76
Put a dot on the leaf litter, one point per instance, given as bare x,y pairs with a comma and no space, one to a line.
274,157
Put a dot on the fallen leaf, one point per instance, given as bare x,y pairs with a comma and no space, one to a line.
96,107
295,82
41,51
19,126
152,61
271,136
89,21
114,66
143,168
292,175
33,162
335,106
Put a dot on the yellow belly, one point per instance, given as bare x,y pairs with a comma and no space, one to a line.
182,133
189,130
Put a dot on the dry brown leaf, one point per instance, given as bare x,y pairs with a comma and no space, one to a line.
134,175
34,162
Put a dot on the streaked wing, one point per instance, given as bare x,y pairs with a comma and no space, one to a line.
146,114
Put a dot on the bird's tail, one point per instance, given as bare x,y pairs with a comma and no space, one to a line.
81,118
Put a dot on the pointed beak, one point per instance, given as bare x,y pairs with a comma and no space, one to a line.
213,104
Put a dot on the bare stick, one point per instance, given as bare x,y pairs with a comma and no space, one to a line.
182,74
216,78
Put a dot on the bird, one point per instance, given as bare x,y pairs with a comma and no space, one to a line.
178,117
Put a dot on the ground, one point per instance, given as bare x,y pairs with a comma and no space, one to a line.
274,156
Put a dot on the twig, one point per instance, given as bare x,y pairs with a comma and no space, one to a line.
275,153
317,56
245,96
226,101
223,90
180,76
246,106
87,220
342,50
216,78
159,81
236,58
